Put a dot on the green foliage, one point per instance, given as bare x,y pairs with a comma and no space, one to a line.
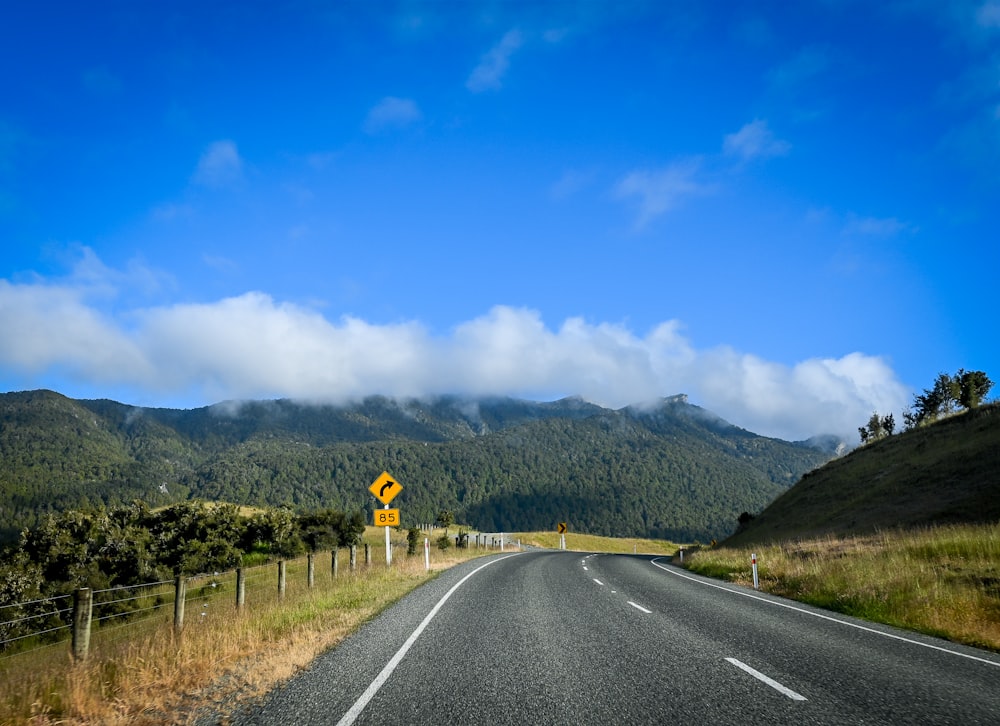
669,471
445,518
127,545
965,389
443,542
412,540
878,427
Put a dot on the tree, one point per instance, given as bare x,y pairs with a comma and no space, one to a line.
445,518
878,427
973,387
412,540
191,537
966,389
321,529
351,529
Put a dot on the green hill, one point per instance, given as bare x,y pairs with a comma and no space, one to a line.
945,472
671,470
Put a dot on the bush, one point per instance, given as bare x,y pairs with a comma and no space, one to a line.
412,540
444,542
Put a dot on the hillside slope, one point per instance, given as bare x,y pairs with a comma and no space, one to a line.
668,470
943,473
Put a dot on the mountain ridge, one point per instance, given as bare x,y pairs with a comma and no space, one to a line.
668,469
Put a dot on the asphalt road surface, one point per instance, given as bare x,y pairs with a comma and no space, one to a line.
548,637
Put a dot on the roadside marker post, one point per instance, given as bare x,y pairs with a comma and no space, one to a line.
753,562
427,554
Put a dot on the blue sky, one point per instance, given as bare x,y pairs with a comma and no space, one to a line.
787,211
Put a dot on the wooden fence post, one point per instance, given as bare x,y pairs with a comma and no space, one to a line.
368,555
180,593
83,611
241,588
333,560
311,569
281,578
354,557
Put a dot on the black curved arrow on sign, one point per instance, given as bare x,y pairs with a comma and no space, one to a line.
389,484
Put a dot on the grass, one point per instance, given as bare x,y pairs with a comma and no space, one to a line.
593,543
141,673
942,581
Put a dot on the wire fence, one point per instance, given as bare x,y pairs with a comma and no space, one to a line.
117,612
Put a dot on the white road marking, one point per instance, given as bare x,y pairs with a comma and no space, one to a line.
640,607
673,571
598,582
352,714
769,681
584,569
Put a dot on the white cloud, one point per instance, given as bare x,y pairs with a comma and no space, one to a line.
391,113
754,141
252,346
220,165
661,190
487,76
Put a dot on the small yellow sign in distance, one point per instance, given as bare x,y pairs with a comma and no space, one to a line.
385,488
562,528
386,517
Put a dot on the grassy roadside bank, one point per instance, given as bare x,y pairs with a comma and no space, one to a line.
142,674
595,543
943,581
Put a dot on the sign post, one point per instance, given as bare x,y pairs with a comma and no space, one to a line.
562,535
385,489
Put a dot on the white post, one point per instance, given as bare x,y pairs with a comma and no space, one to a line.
388,546
501,541
756,582
427,554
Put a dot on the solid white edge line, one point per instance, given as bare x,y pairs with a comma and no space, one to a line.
640,607
673,571
352,714
769,681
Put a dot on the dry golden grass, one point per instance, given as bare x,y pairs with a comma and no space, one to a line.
593,543
943,581
142,674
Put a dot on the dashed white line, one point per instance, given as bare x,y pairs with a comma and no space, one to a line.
640,607
598,582
769,681
732,591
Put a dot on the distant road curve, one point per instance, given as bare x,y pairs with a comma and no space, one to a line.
550,637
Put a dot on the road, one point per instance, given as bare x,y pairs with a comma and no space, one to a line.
549,637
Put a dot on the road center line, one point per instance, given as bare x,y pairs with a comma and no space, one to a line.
352,714
769,681
640,607
732,591
598,582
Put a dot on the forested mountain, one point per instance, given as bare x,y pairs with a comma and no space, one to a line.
671,470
